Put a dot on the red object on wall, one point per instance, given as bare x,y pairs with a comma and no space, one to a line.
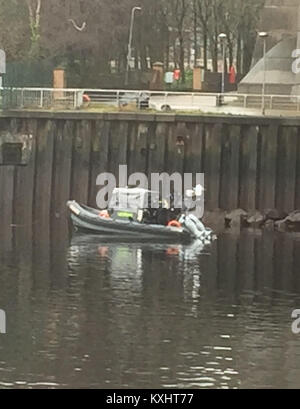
177,74
232,75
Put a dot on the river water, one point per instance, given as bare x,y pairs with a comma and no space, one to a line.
85,313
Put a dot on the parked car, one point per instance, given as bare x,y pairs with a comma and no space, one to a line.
120,98
141,99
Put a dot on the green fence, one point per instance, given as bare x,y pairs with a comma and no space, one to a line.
10,98
29,74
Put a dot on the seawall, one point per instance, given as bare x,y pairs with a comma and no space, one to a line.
249,163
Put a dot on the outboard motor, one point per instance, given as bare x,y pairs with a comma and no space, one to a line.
192,223
196,227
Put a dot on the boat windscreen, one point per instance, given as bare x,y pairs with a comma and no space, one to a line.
129,199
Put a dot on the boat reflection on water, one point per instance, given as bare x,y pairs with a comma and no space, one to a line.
92,312
131,267
130,252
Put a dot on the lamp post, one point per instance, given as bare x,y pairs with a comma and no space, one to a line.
264,36
223,37
130,43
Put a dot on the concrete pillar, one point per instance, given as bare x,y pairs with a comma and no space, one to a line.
197,79
157,81
59,82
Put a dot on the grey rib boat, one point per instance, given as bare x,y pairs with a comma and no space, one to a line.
88,220
127,217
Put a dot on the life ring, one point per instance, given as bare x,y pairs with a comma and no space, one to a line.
172,252
175,223
104,214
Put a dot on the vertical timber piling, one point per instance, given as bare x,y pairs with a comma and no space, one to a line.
250,163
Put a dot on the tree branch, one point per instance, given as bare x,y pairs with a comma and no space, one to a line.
76,26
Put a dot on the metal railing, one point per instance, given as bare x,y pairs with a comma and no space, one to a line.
39,98
70,99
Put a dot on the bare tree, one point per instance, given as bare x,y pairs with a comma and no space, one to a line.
178,12
205,13
34,9
195,24
14,33
164,31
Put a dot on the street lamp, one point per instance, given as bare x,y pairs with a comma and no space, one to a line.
223,37
130,42
264,36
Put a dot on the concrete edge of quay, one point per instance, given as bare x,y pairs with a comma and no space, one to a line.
158,117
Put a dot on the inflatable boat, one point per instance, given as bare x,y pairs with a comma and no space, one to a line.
125,219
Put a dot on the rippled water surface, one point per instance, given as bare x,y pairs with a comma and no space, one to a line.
90,313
